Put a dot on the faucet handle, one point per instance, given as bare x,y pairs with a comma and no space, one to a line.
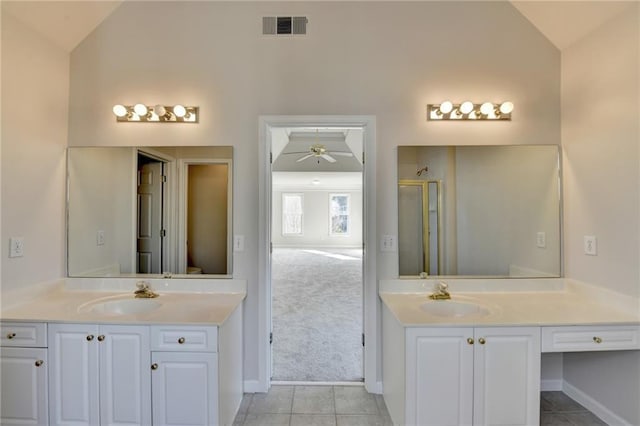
142,285
442,286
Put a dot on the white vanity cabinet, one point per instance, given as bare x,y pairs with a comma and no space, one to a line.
23,382
99,374
461,376
196,374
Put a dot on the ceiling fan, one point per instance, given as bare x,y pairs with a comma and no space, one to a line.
318,151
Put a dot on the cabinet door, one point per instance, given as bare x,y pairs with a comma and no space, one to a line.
507,376
439,376
73,374
125,377
184,388
23,386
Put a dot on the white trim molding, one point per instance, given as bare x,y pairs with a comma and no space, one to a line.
606,415
371,304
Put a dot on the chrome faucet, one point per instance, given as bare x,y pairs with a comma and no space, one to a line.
441,293
144,291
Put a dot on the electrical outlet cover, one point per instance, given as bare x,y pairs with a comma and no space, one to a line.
16,247
590,245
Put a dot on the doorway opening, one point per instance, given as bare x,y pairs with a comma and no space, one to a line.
317,283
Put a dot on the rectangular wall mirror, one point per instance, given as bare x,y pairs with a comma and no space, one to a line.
479,211
149,211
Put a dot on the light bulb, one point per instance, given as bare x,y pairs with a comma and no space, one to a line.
140,109
446,107
179,111
120,110
466,107
486,108
159,110
506,107
316,181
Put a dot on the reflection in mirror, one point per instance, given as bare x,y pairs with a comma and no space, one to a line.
479,211
149,210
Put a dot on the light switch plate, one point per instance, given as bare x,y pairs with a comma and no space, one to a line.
100,238
541,239
590,245
388,243
238,243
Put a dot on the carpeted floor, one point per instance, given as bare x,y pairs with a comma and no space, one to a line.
317,314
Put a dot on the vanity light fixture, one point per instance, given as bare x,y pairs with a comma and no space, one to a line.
470,111
142,113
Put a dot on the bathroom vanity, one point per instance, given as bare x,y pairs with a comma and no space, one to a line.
475,359
86,358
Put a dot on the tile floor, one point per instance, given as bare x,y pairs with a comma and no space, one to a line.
557,409
286,405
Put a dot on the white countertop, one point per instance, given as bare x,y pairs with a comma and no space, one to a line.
60,303
513,303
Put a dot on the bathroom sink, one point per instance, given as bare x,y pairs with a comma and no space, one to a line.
119,305
454,308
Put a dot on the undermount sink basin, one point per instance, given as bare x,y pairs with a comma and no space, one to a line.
119,306
454,308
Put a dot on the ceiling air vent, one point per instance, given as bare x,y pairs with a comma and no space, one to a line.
284,25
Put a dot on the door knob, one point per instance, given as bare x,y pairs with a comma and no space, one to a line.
11,335
39,363
482,341
470,341
181,340
154,366
89,337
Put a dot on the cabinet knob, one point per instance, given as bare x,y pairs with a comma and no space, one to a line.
597,339
101,338
39,363
482,341
11,335
470,341
89,337
154,366
181,340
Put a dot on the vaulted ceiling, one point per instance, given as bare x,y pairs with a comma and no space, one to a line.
67,23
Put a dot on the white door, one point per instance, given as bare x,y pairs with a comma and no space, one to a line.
150,218
125,375
439,376
507,376
184,388
73,374
23,386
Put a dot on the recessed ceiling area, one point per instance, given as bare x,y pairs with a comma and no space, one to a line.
317,149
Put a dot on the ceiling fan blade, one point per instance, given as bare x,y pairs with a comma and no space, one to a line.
295,152
328,158
304,158
341,153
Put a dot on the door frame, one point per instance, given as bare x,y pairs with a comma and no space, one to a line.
168,203
371,306
183,202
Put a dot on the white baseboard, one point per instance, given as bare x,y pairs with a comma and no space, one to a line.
551,385
594,406
254,386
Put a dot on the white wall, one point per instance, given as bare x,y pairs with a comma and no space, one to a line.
316,220
385,59
601,141
35,94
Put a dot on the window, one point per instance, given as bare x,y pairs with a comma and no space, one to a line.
339,210
292,214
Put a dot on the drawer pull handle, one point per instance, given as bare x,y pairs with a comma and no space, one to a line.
597,339
101,338
482,341
154,366
11,335
39,363
89,337
181,340
470,341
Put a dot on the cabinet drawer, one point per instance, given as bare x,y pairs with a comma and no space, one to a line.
184,339
590,338
23,334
